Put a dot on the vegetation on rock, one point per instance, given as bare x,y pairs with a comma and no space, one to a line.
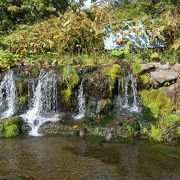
10,127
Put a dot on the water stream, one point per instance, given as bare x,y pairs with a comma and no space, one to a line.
44,102
72,158
8,95
81,102
127,98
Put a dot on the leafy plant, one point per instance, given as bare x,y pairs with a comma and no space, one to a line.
10,127
71,79
113,72
7,59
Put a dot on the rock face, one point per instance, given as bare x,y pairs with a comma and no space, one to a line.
173,92
160,66
162,76
55,128
147,67
103,106
96,86
177,67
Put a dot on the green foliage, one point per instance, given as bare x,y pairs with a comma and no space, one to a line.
145,78
73,33
162,130
71,80
122,53
66,94
112,73
156,102
106,120
7,59
10,127
118,53
43,33
136,67
155,56
70,76
158,107
15,12
128,130
11,131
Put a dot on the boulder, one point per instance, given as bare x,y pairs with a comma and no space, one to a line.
91,109
162,76
96,86
103,106
161,66
176,67
56,128
173,92
147,67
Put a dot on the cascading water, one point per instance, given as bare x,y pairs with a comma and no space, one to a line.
8,95
44,103
81,102
127,94
135,106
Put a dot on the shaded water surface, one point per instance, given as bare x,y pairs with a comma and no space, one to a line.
70,158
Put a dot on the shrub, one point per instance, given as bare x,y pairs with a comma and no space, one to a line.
10,127
7,58
11,131
164,130
71,80
145,78
112,73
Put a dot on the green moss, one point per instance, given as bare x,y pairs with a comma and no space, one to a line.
128,130
158,107
145,78
106,120
11,131
136,68
10,127
156,102
22,100
154,56
66,94
22,97
71,79
112,73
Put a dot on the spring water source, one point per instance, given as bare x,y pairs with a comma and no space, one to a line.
128,99
43,106
81,103
8,95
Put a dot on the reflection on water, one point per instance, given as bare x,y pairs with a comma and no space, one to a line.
70,158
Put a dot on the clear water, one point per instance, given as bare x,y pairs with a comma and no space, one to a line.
81,102
127,99
8,95
43,106
72,158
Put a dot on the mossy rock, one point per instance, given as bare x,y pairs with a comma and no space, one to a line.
10,127
91,109
103,106
145,81
96,86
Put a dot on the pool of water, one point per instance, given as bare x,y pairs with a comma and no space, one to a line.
73,158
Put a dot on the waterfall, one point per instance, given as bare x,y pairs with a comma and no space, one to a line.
43,106
135,106
8,95
81,102
127,99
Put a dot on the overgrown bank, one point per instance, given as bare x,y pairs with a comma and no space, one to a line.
74,40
